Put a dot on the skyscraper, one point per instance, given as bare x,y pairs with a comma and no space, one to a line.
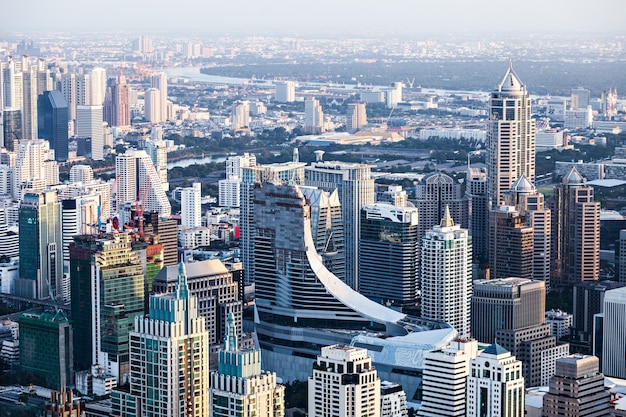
52,120
445,379
169,351
98,78
89,125
577,389
355,186
239,386
11,128
152,107
446,271
511,243
344,383
116,108
575,231
478,207
614,331
240,115
579,98
34,167
495,386
41,247
68,89
313,117
159,81
356,117
510,137
29,103
190,206
285,91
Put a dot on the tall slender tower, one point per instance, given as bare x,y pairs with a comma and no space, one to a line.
89,125
478,207
169,351
575,231
510,137
52,118
447,275
240,384
313,116
159,81
356,117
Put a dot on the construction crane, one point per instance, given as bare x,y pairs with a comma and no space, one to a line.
105,202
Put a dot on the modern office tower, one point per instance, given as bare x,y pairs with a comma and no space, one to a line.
167,230
588,301
98,86
80,217
35,167
191,206
520,304
621,256
157,150
393,95
240,387
81,173
446,271
303,306
495,386
11,128
116,108
392,194
45,81
152,107
327,228
510,137
290,172
356,189
67,87
313,117
388,254
8,86
107,294
614,333
83,90
159,81
169,350
511,244
139,181
344,383
89,125
240,115
577,389
579,98
478,207
356,117
285,91
531,207
392,400
445,379
236,164
46,347
217,291
9,246
52,122
29,103
41,247
575,231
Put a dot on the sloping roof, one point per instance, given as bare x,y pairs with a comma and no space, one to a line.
511,81
495,349
193,269
523,185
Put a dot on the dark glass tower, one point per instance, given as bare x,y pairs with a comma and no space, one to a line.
52,120
11,128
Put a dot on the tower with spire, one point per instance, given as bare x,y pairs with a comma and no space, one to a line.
240,384
446,271
169,356
510,137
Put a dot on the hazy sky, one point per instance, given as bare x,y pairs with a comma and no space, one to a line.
314,16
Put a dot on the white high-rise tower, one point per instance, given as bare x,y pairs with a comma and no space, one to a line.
190,204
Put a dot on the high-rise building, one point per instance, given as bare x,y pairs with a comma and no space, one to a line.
107,295
446,271
445,379
116,108
89,125
67,87
159,82
81,173
29,103
614,333
313,117
41,247
167,230
388,254
495,385
98,78
478,207
35,167
355,186
240,387
46,347
327,228
621,257
392,400
230,187
138,180
285,91
169,351
577,389
510,137
344,383
191,206
157,150
240,115
356,117
152,107
579,98
11,128
290,172
511,243
575,231
52,121
392,194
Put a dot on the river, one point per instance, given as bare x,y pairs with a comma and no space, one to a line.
183,163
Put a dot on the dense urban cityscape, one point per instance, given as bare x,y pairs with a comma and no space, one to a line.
289,224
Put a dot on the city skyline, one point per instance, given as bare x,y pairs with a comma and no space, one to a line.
326,18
